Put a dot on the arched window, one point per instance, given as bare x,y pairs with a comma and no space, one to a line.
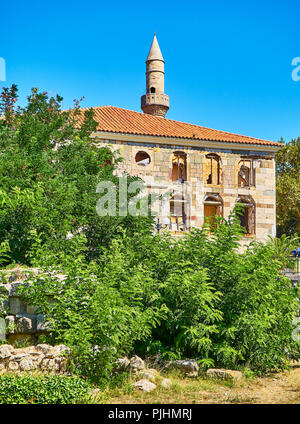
152,90
179,167
247,215
212,169
178,213
142,158
246,173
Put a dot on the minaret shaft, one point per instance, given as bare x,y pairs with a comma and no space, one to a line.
155,101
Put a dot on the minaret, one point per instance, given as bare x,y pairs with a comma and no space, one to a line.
155,101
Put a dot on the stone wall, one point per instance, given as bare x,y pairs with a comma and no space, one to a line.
159,173
42,357
22,323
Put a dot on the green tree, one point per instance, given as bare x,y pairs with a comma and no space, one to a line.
49,171
288,188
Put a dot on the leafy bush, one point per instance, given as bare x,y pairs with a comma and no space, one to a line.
49,171
257,301
240,311
24,389
197,297
98,311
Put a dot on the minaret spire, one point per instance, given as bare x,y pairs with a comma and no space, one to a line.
155,101
155,53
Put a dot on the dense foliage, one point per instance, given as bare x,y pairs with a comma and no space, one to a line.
196,297
26,389
49,171
288,187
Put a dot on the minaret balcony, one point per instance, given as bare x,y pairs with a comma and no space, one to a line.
155,98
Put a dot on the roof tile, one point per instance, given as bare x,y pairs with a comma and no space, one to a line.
117,120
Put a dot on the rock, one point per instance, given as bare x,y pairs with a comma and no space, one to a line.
188,366
26,325
6,351
18,357
10,323
2,367
14,287
193,374
60,349
13,366
31,310
16,306
224,374
16,275
154,361
2,329
41,324
27,364
49,365
35,354
61,363
149,374
166,383
21,274
122,364
144,385
4,305
44,348
7,346
38,359
136,363
60,360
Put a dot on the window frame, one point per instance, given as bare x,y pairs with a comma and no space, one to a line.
176,157
248,203
252,176
217,158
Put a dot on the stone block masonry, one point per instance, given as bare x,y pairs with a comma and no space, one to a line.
23,324
42,357
261,190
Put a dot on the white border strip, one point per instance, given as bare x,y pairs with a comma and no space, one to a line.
188,142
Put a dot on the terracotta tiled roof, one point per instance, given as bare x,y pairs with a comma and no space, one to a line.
117,120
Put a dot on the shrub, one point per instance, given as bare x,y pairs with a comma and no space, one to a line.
97,310
197,297
248,305
24,389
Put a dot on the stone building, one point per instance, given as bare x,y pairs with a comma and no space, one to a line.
202,172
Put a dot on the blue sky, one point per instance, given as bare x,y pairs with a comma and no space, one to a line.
228,63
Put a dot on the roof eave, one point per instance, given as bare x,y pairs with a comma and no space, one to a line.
182,141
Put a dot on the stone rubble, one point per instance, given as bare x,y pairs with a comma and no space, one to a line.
189,367
149,374
144,385
224,374
41,357
136,364
53,359
166,383
122,364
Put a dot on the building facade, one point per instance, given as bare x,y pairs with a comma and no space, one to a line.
198,172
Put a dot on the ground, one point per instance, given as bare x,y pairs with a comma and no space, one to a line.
280,388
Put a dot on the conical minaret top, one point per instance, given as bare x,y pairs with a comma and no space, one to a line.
155,101
154,52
